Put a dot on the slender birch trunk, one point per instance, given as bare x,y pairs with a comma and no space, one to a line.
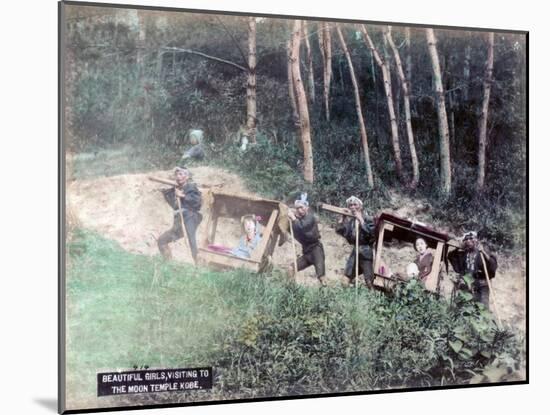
173,65
325,45
378,141
321,38
408,55
487,81
363,130
467,59
301,101
310,74
452,129
291,94
451,101
141,39
405,85
386,77
251,84
444,154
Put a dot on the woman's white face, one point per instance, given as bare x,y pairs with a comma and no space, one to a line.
421,245
249,226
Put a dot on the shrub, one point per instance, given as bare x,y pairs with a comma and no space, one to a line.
322,341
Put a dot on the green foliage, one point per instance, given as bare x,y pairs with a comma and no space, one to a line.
268,168
122,94
263,335
332,340
273,168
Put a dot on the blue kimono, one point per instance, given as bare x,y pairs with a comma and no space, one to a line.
245,250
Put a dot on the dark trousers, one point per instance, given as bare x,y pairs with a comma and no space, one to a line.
365,267
481,294
479,290
313,256
191,221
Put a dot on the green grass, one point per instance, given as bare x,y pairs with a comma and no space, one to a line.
263,335
125,310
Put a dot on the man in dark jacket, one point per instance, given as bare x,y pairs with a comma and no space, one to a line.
305,227
346,227
190,201
469,262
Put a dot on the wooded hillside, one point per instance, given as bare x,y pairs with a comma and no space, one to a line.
335,109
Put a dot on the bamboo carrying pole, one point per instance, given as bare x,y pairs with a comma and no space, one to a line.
491,292
183,228
293,251
173,183
356,253
163,181
335,209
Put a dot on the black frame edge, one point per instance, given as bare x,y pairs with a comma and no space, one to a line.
61,329
62,225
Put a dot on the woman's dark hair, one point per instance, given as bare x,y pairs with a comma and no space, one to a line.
416,240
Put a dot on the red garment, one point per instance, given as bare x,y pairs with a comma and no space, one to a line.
219,248
424,264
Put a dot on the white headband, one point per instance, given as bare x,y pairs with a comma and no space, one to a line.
353,199
302,201
469,235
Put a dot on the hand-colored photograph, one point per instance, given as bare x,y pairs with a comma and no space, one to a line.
260,207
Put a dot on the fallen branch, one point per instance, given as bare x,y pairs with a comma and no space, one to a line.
204,55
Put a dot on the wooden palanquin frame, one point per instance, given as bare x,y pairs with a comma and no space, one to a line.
233,205
390,227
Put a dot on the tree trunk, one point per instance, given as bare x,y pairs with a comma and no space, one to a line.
141,39
291,94
311,79
173,65
325,44
444,154
251,84
363,130
397,92
378,141
485,113
160,65
321,38
452,129
386,78
408,57
451,100
341,74
405,85
302,102
467,59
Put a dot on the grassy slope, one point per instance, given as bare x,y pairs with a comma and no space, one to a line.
262,335
125,310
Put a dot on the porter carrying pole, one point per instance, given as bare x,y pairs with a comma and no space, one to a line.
357,253
293,251
491,292
183,228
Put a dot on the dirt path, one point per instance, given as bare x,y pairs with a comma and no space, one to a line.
130,209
